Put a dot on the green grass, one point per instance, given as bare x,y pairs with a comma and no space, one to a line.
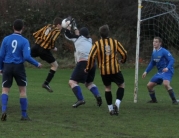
53,116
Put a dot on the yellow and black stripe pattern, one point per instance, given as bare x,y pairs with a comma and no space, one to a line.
46,36
106,51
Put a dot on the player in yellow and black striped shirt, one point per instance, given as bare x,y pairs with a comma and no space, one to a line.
106,51
44,42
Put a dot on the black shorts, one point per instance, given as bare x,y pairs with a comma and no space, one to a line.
80,76
16,71
116,78
44,54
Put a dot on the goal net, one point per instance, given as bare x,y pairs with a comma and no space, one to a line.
155,18
158,19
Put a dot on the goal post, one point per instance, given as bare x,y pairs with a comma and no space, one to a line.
137,51
155,18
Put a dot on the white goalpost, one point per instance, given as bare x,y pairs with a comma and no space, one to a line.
154,19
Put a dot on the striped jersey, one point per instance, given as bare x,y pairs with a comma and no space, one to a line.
106,51
46,36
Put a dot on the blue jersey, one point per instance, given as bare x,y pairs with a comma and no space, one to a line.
15,49
161,58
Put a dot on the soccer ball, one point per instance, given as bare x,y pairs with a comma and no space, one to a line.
65,23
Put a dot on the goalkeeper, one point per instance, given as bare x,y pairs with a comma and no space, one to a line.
164,61
83,44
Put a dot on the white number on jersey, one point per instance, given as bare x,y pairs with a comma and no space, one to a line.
14,45
47,31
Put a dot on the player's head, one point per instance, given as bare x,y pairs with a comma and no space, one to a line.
157,42
18,25
104,31
158,38
84,31
57,21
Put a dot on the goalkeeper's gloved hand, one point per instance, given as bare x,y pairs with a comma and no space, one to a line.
74,24
69,20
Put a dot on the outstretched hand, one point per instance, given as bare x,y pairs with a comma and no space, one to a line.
144,74
85,71
0,72
55,49
165,70
74,24
39,65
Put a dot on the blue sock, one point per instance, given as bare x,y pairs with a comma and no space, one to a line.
23,103
77,92
172,94
152,95
95,91
4,100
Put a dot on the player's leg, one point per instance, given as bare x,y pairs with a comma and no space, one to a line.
20,77
108,95
155,80
48,57
50,76
77,92
4,102
92,87
119,80
78,76
171,93
167,76
35,50
7,79
23,103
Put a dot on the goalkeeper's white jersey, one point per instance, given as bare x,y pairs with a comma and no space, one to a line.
82,47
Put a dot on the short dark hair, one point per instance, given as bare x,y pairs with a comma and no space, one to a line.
159,38
104,31
18,24
84,31
57,21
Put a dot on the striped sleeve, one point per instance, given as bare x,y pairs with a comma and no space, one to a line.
91,58
122,52
38,33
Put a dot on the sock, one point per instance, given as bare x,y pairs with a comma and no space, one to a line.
172,94
77,92
23,103
117,103
120,93
108,96
4,100
110,107
95,91
152,95
49,77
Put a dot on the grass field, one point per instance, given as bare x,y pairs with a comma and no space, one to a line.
53,116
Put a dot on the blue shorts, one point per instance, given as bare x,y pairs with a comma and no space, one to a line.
159,77
16,71
80,76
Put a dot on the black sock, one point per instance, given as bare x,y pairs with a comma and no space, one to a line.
108,96
120,93
49,77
